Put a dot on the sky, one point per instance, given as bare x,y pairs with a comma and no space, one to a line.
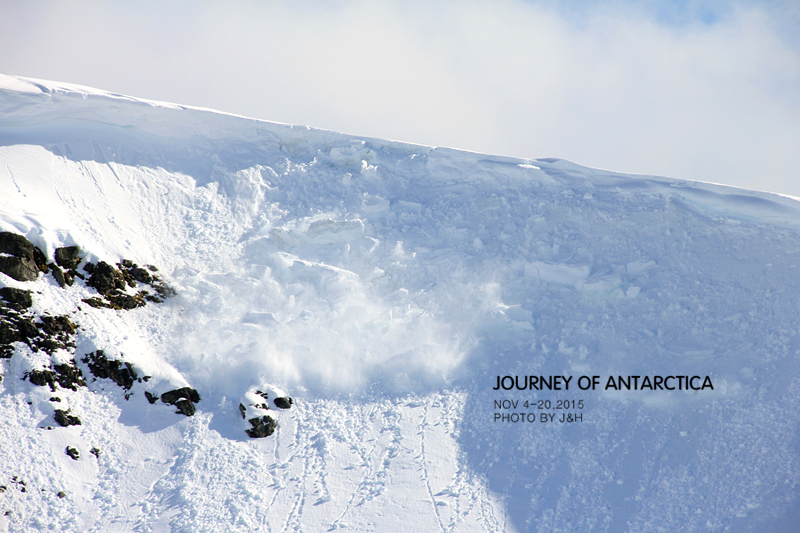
702,90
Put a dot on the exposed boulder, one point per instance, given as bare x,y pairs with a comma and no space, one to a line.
18,299
140,274
19,269
62,278
262,427
185,407
16,245
105,278
67,257
183,398
188,393
18,258
152,398
283,403
73,452
123,374
65,419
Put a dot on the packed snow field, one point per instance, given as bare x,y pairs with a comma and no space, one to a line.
386,287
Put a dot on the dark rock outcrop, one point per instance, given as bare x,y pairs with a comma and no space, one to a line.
152,398
62,278
262,427
67,257
73,452
105,278
183,398
185,407
123,374
14,328
19,259
55,332
16,245
51,334
19,269
66,375
283,403
111,283
65,419
18,299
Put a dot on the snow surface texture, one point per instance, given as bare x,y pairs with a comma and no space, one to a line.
385,286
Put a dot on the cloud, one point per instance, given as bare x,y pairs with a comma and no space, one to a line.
699,90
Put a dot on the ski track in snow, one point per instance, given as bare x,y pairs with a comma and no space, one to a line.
385,286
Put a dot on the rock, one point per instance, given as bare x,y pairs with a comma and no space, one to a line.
105,278
141,275
65,419
185,407
283,403
66,375
16,245
262,427
183,398
73,452
100,366
63,278
19,269
9,334
18,299
67,257
172,396
51,334
61,494
55,399
53,325
95,452
55,332
152,398
120,300
20,261
242,410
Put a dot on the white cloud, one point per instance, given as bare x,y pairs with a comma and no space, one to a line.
705,90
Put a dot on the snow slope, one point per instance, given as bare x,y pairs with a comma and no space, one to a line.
385,286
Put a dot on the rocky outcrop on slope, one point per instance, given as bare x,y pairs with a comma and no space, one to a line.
65,375
123,374
65,419
113,284
120,287
283,402
183,398
262,427
253,406
126,286
19,258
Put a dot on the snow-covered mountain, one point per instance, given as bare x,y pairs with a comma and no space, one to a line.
388,289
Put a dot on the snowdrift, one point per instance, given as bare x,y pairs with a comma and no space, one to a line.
387,288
